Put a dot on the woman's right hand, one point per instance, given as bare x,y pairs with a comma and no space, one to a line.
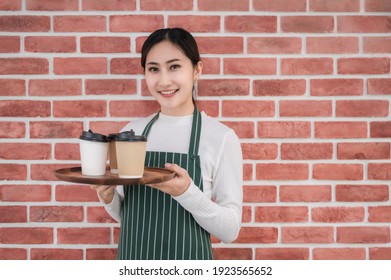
106,193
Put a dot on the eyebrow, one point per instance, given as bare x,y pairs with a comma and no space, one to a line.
167,62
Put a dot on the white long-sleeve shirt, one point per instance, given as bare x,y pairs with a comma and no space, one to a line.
218,209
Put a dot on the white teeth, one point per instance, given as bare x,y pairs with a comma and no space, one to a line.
166,92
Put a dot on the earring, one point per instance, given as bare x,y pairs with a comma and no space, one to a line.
195,89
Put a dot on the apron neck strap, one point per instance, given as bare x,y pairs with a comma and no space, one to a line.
195,134
149,125
195,131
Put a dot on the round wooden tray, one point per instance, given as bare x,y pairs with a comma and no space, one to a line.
151,176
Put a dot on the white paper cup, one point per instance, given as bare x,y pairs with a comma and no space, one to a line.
93,153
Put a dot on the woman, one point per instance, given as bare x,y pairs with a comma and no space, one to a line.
174,219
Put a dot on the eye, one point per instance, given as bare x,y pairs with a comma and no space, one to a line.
175,66
152,69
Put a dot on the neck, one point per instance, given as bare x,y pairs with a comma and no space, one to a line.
178,112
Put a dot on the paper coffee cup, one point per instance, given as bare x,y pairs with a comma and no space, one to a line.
93,153
131,150
112,153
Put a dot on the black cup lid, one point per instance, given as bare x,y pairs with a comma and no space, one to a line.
112,136
92,136
130,137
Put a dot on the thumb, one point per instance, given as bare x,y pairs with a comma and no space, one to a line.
175,168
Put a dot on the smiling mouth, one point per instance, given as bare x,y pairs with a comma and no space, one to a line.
168,92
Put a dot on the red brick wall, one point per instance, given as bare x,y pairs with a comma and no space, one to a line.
305,84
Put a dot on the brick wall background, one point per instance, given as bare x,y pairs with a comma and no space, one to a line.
305,84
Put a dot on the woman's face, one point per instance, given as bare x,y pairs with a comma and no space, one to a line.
170,76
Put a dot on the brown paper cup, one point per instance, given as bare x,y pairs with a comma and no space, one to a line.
112,154
130,158
130,151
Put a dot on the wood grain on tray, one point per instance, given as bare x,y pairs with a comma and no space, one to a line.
151,176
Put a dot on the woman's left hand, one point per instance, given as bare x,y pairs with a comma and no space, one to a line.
177,185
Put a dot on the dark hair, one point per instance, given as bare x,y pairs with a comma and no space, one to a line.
179,37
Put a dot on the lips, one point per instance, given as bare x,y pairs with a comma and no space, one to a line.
168,92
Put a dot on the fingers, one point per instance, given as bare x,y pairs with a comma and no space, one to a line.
176,168
177,185
100,188
105,192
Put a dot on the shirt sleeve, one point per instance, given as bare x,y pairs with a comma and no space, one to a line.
222,215
114,207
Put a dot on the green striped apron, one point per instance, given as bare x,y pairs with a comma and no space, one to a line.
155,226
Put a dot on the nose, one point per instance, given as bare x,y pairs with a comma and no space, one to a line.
164,79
